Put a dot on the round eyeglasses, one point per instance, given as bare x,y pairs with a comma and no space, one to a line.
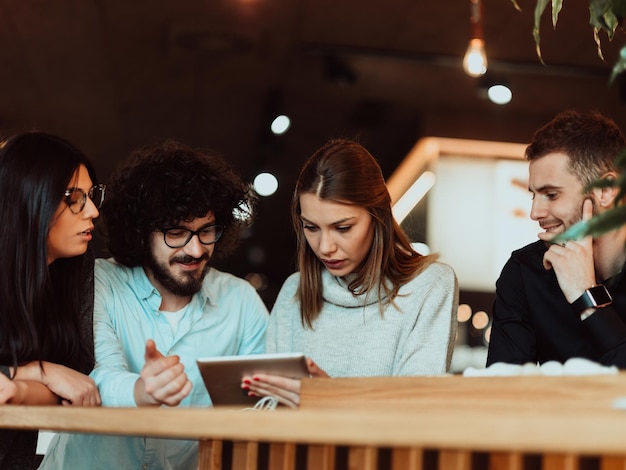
178,237
76,198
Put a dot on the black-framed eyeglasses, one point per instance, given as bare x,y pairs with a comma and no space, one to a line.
76,198
177,237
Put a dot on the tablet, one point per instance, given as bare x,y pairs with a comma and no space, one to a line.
222,375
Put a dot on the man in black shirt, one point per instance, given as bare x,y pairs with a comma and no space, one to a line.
559,301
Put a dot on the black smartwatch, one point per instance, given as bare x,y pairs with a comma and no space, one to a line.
594,297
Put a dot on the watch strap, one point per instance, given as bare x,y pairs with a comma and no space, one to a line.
594,297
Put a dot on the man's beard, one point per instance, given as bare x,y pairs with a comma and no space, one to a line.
571,220
579,217
182,288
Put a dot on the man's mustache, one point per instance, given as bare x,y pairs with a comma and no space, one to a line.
186,259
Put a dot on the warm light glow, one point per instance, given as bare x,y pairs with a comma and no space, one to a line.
414,194
475,60
487,336
480,320
499,94
464,313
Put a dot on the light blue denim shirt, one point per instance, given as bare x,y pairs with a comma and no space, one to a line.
227,317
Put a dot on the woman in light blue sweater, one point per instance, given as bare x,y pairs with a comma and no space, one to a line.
364,302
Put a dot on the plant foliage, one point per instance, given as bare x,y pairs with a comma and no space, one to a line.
604,15
607,16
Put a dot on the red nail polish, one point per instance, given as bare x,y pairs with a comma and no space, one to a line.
255,378
246,381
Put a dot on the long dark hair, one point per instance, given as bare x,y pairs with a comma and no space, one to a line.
39,314
343,171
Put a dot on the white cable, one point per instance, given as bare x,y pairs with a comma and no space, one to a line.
264,404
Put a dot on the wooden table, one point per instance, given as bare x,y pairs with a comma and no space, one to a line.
444,423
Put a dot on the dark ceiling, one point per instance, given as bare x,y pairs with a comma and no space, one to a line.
114,75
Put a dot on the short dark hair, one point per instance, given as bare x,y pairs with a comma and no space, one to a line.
163,185
590,140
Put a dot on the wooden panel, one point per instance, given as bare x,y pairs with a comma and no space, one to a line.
362,458
560,462
407,459
435,393
455,460
210,454
282,457
321,457
246,455
613,463
494,429
506,461
532,416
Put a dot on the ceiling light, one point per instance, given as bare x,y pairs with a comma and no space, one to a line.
280,124
499,94
265,184
475,60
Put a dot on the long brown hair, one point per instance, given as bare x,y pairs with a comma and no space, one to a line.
343,171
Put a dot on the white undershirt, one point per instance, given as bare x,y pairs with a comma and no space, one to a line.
173,318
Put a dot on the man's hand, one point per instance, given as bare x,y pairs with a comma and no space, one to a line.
162,381
573,261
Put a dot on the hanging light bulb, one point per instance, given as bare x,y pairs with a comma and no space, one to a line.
475,60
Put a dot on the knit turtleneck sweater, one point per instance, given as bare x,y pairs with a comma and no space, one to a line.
350,338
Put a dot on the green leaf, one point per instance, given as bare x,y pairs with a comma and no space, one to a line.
620,183
596,38
620,160
539,9
602,183
575,232
597,225
619,8
619,66
556,9
611,22
607,221
602,17
598,10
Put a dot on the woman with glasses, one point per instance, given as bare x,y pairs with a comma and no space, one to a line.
48,202
159,302
364,302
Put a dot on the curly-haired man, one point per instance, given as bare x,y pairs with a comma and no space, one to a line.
159,304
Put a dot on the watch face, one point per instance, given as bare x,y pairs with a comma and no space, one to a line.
598,296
